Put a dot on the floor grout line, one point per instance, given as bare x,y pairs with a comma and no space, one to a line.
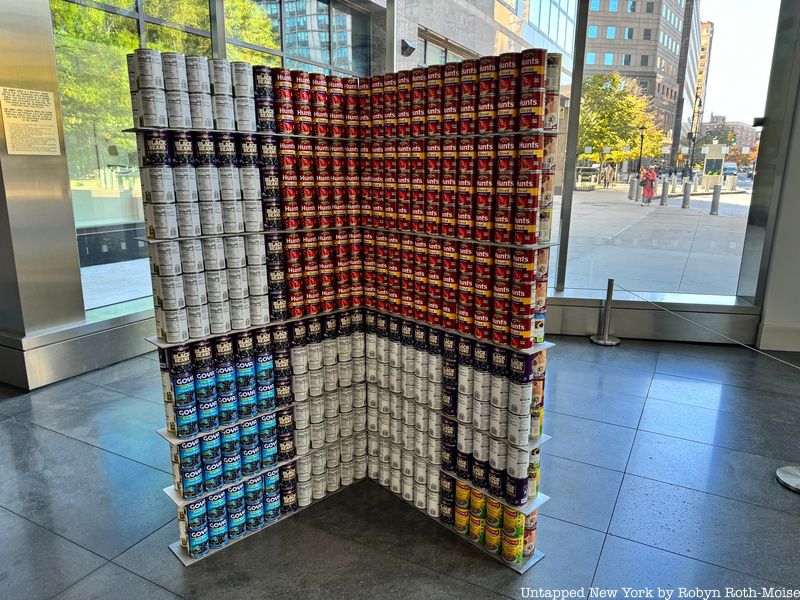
74,583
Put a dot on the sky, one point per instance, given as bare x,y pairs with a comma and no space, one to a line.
741,54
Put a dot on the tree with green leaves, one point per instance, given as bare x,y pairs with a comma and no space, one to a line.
613,108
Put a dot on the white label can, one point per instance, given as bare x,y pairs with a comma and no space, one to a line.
316,407
465,379
359,344
213,253
480,445
385,474
158,186
421,389
253,216
318,462
237,283
433,504
242,78
420,495
409,437
421,470
330,377
179,109
435,395
384,425
197,74
409,412
359,395
346,424
210,218
397,481
329,352
318,486
184,180
299,360
382,350
255,250
394,354
433,479
244,112
465,439
304,493
409,381
517,462
480,415
498,422
464,413
259,310
257,280
359,418
372,420
219,314
217,285
161,221
435,368
232,216
165,258
482,386
304,468
396,406
520,398
360,443
332,454
373,440
359,467
345,373
201,110
371,345
194,289
189,224
315,356
300,387
207,177
174,327
302,413
346,399
434,451
331,403
420,443
519,429
498,452
347,472
499,396
173,67
133,75
421,417
219,71
302,441
192,256
408,463
395,379
235,255
421,364
317,434
346,448
316,382
240,313
222,109
229,186
344,347
435,426
408,488
168,292
396,431
198,321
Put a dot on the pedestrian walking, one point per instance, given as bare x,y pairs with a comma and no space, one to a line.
608,173
648,190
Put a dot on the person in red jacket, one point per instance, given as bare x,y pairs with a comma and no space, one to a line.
649,178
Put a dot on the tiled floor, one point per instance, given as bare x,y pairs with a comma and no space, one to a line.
661,472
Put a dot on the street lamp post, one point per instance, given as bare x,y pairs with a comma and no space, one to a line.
698,104
641,146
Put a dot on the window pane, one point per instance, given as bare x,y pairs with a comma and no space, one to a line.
631,5
254,57
595,5
644,60
453,57
533,12
434,55
590,58
350,39
104,180
290,63
611,33
592,31
191,13
647,34
307,29
552,31
649,7
612,5
168,39
608,59
256,22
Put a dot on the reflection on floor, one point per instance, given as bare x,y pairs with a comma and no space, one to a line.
661,471
115,282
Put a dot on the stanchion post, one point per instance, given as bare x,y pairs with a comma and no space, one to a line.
789,477
715,200
674,182
631,183
687,192
664,192
604,338
637,194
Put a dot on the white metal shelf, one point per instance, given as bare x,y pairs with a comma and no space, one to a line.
246,233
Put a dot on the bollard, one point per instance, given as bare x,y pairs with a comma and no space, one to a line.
715,201
789,477
631,192
604,338
664,193
696,183
638,192
687,192
674,182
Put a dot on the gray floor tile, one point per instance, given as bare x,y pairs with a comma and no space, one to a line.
758,541
729,473
111,581
276,563
599,404
729,430
103,418
587,441
627,564
52,392
96,499
146,386
580,493
35,563
126,369
627,355
593,376
728,398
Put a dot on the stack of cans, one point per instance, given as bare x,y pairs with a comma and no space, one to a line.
264,99
148,97
404,105
404,397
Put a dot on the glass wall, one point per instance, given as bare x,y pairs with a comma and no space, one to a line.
92,40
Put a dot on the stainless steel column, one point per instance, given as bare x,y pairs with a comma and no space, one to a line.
391,36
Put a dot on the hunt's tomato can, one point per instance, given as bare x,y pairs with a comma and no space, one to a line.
532,110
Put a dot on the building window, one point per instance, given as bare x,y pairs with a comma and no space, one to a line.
650,7
595,5
591,31
608,59
590,58
629,33
434,54
626,59
644,59
647,34
612,5
643,86
631,6
611,33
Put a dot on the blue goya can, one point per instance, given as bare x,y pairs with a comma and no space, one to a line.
251,460
189,454
196,515
248,405
183,389
207,415
269,451
272,481
205,383
211,447
253,489
232,468
198,542
226,378
218,533
237,523
267,426
245,373
228,405
230,440
265,367
192,482
186,423
213,475
248,433
272,506
265,396
215,506
234,498
255,515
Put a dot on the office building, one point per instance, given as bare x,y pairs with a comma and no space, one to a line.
706,40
